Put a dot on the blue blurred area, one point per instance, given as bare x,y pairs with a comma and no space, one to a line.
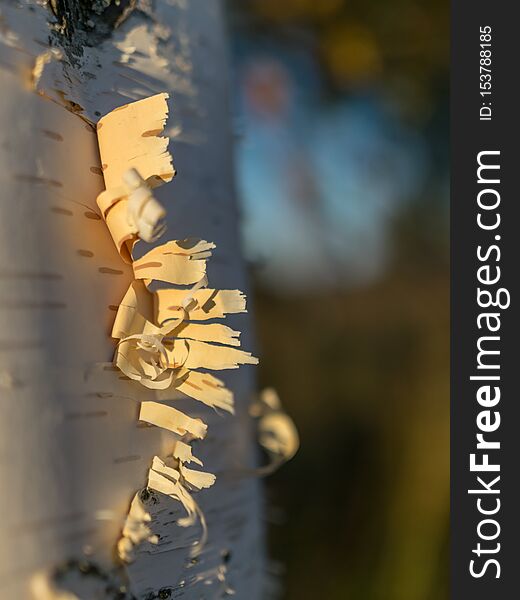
320,180
318,190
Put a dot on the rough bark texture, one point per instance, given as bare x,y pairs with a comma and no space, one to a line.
91,20
71,451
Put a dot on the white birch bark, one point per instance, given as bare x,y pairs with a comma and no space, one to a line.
72,454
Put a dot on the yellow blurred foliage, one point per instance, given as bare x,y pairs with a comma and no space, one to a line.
351,54
389,44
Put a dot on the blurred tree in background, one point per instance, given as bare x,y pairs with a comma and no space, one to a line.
362,363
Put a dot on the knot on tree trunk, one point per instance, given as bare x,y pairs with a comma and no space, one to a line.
86,22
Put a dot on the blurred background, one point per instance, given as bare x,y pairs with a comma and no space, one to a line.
342,124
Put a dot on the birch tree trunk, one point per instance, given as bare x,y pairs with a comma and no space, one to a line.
72,453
